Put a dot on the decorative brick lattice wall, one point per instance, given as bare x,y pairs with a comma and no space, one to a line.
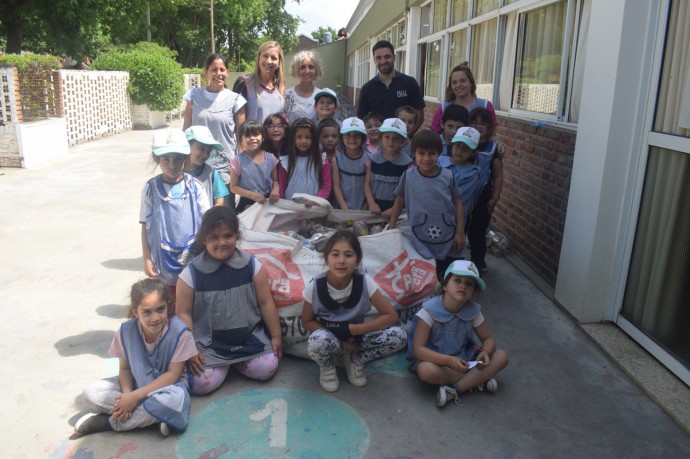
95,103
190,81
9,96
10,114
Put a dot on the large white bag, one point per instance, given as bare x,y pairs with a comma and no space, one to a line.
405,279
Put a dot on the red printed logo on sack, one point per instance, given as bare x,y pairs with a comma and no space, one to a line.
283,273
407,280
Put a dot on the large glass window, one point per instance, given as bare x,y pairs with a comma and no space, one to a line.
440,14
425,21
484,6
432,68
483,56
458,48
536,85
461,11
657,292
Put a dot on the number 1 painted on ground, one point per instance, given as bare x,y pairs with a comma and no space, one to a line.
277,410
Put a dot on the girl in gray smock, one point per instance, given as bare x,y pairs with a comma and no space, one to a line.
224,297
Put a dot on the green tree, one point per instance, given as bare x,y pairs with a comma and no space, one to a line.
318,33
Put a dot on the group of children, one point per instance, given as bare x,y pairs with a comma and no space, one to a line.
207,305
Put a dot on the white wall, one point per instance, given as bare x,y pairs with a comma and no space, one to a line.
610,133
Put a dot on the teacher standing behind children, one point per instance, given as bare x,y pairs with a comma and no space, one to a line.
220,110
389,89
265,88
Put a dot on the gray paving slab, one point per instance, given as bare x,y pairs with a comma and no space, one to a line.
70,248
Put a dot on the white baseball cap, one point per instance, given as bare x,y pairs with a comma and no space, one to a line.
326,92
467,135
394,125
169,140
202,134
353,124
465,268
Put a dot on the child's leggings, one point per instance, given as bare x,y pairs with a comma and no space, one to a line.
100,396
260,368
324,347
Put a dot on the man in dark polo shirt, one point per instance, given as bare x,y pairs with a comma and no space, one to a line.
389,89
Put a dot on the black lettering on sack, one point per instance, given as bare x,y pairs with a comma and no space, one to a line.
287,326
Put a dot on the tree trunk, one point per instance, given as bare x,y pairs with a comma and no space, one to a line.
15,32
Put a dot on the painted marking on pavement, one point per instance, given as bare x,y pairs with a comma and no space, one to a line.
275,423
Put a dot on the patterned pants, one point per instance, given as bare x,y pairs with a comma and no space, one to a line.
324,347
259,368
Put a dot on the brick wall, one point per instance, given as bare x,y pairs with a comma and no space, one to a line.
537,170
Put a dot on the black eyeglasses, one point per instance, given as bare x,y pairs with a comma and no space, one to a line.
275,126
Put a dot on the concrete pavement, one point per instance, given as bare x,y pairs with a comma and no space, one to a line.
69,239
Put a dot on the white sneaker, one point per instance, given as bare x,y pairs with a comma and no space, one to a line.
355,373
328,378
489,386
92,423
446,394
165,429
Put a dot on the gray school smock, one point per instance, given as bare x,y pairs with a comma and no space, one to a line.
254,176
228,327
352,173
430,211
218,115
263,103
354,309
304,178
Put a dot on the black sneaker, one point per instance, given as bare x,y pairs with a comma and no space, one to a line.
92,423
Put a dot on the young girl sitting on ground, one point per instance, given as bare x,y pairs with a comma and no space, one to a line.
335,304
349,166
224,297
253,172
172,205
442,349
304,169
152,385
202,144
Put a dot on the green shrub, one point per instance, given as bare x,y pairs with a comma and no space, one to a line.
155,79
30,62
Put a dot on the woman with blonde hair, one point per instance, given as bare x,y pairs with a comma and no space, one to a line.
299,99
265,88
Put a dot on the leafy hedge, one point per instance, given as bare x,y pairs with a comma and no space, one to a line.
31,62
155,79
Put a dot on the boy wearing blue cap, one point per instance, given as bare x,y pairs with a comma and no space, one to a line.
462,164
441,346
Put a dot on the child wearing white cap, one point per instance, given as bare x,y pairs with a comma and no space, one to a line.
202,146
441,346
325,105
461,163
172,204
385,167
349,166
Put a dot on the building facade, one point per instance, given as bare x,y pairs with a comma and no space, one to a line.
593,102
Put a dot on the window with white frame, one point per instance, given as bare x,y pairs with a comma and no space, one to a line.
534,43
363,65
